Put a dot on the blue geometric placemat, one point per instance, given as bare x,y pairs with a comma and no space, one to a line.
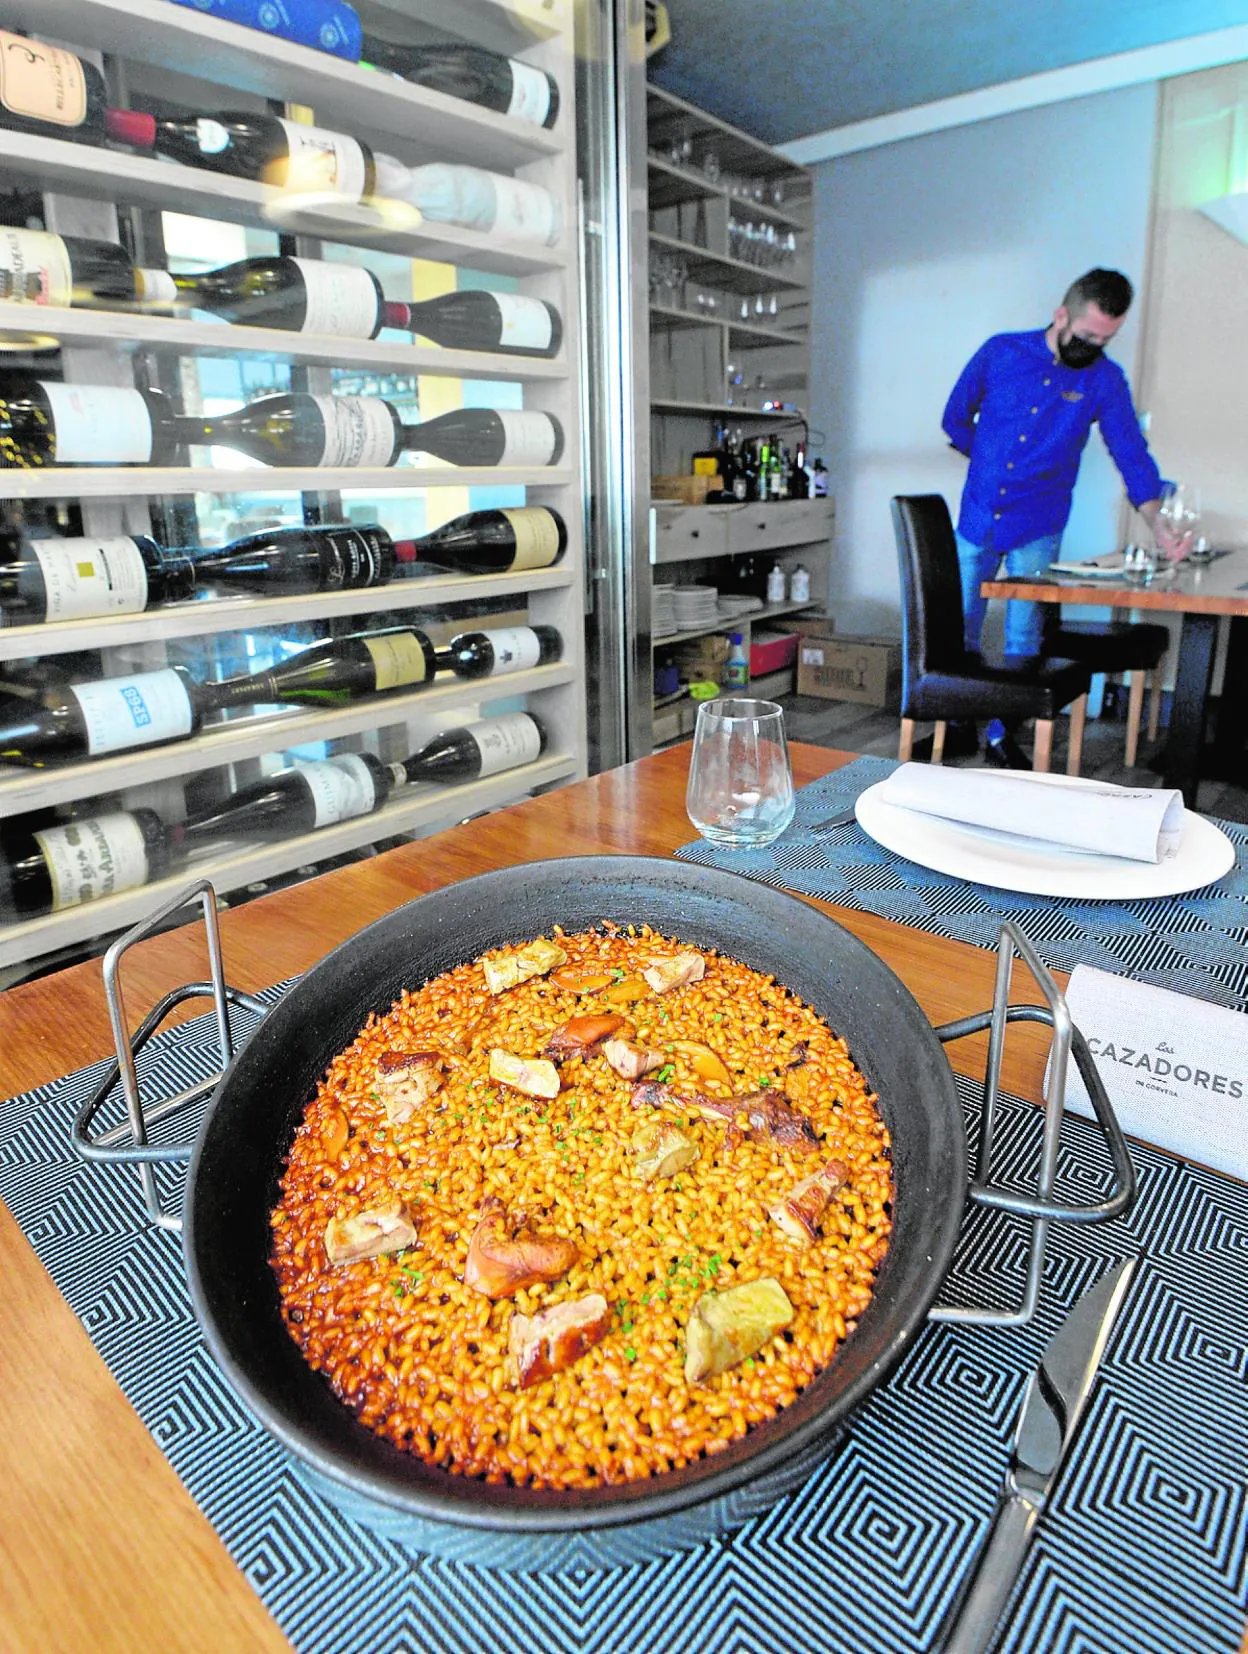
1143,1551
1192,944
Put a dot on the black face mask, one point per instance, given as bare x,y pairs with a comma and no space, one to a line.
1078,353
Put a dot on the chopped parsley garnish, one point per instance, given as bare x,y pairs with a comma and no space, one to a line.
630,1354
665,1073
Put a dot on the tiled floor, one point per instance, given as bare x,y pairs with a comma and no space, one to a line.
867,729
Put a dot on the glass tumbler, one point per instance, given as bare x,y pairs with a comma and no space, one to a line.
740,792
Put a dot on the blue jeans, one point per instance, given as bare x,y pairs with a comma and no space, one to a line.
1024,622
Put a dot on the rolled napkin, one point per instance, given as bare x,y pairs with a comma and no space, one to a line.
1140,823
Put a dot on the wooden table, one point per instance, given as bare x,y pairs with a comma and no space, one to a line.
104,1549
1202,594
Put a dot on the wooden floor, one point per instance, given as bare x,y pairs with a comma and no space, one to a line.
867,729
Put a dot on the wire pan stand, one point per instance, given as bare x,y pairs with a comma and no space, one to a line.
128,1143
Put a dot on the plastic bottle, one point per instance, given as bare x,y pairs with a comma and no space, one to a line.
775,584
799,585
737,666
820,480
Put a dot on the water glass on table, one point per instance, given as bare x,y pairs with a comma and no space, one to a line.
740,792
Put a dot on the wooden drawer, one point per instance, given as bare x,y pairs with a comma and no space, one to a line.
785,523
683,532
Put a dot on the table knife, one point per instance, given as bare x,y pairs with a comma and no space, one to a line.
1056,1399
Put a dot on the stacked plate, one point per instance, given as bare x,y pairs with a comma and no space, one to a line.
732,605
695,606
662,611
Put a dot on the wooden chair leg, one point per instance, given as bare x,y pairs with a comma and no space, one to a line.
1154,701
905,745
1135,709
938,741
1042,753
1078,718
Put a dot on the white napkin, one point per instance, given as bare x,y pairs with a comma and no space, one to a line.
1175,1068
1140,823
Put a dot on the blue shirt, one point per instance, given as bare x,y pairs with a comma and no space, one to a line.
1023,419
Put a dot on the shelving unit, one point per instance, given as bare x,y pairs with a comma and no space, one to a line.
153,49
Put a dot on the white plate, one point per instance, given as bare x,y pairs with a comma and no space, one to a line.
1092,571
1010,863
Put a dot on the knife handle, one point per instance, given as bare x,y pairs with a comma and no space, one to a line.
974,1621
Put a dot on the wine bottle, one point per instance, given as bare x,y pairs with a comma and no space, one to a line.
492,654
84,578
43,422
298,295
473,319
296,800
492,542
37,267
316,557
265,148
472,73
325,25
51,91
488,436
478,749
340,670
296,428
509,209
89,720
50,868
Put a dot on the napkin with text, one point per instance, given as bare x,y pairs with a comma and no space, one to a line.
1175,1068
1139,823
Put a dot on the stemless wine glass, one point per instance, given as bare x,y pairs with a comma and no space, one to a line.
740,792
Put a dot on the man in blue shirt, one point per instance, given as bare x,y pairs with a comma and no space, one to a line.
1021,412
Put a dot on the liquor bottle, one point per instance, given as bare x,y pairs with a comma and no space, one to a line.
37,267
51,91
474,319
479,749
89,720
325,25
252,144
488,436
508,209
295,428
492,654
298,295
315,557
333,673
492,542
84,578
470,72
295,800
43,422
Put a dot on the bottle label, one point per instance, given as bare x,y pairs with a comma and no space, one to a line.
327,25
341,788
354,559
397,660
41,83
35,268
526,323
99,425
133,712
341,299
82,578
320,160
516,648
506,742
530,93
528,438
89,859
524,212
359,430
537,538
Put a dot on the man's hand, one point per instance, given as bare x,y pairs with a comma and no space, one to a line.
1172,546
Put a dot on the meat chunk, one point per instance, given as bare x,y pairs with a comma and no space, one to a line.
728,1326
504,1256
801,1211
666,974
766,1116
385,1228
662,1151
511,969
554,1338
581,1036
631,1061
535,1076
406,1080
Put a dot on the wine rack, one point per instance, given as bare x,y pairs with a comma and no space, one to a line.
153,50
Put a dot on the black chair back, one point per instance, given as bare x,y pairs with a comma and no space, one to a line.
932,621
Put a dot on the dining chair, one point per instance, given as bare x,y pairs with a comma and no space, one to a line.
941,679
1134,648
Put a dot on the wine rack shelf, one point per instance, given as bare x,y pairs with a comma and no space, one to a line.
717,410
745,335
110,175
669,185
718,270
119,482
237,613
50,326
242,864
427,125
23,790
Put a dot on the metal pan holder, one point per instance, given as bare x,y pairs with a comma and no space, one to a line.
1041,1207
128,1144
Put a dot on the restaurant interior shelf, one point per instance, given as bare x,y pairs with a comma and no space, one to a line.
113,482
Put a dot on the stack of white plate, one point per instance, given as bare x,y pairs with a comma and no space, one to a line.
662,611
732,605
695,606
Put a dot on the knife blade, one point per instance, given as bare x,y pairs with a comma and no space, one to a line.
1055,1402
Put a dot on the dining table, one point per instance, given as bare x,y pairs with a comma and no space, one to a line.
1203,594
104,1546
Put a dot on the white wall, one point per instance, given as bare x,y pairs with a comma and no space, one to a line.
922,250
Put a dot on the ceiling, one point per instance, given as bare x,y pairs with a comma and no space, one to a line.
788,68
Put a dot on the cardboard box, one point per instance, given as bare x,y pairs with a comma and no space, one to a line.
771,652
863,669
688,490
